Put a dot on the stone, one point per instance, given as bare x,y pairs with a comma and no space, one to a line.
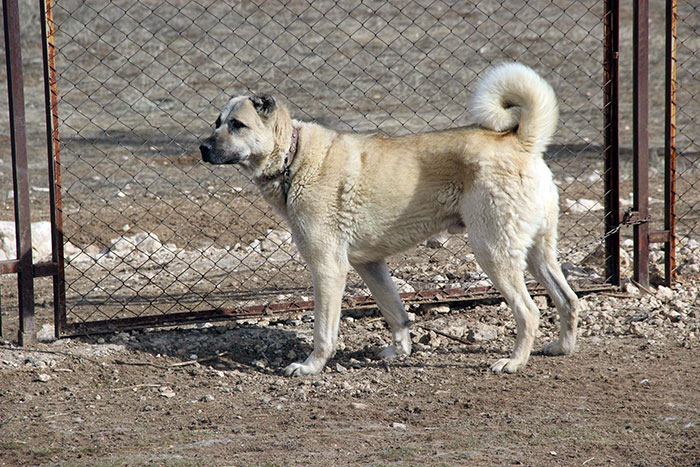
582,206
540,301
439,308
41,240
402,286
46,333
482,333
664,293
631,289
143,242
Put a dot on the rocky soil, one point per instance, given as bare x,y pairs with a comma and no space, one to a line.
213,394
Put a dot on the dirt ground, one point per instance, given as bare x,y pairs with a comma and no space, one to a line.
133,107
214,395
140,83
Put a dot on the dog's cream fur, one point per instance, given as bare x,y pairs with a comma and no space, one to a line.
355,199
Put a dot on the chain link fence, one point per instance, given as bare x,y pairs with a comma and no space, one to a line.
687,140
152,231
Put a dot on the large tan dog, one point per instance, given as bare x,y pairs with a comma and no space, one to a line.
355,199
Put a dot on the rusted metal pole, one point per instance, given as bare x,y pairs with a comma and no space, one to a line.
20,174
53,151
670,146
612,140
640,117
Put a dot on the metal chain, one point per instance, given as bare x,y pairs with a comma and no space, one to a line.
625,221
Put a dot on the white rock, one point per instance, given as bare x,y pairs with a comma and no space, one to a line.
631,289
46,333
43,377
436,308
582,205
540,301
673,315
482,333
402,286
664,293
272,241
143,242
399,426
41,240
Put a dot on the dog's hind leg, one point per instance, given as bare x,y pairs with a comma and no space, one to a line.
542,263
376,276
329,283
505,270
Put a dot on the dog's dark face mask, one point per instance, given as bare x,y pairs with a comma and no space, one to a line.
244,133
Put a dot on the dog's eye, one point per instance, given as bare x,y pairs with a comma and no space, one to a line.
218,122
234,124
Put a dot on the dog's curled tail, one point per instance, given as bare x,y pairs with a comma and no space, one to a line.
513,95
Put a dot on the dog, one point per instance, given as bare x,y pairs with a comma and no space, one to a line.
352,200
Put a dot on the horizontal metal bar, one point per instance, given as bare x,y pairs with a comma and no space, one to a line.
45,269
455,296
10,266
659,236
38,269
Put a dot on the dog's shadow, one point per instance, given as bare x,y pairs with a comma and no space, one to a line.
253,348
246,348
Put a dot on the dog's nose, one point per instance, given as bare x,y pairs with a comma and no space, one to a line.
205,149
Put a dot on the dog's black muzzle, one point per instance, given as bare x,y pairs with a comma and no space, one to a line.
206,149
212,157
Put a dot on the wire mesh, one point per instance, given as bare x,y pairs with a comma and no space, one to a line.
687,143
151,230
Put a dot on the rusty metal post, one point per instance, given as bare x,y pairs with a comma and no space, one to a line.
612,140
670,147
641,139
53,151
20,175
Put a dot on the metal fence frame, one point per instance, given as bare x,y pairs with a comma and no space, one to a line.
26,270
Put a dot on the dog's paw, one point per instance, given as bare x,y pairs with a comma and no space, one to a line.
395,350
558,348
505,365
389,353
311,366
300,369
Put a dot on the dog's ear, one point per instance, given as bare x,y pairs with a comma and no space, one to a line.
264,104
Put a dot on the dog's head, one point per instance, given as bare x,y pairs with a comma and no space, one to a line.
249,131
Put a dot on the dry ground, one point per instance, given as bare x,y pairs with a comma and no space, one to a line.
629,396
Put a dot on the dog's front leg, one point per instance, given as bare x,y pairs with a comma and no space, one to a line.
329,284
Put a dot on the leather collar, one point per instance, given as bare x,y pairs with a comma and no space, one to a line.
288,161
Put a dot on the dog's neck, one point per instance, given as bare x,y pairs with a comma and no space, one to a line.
292,152
285,173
